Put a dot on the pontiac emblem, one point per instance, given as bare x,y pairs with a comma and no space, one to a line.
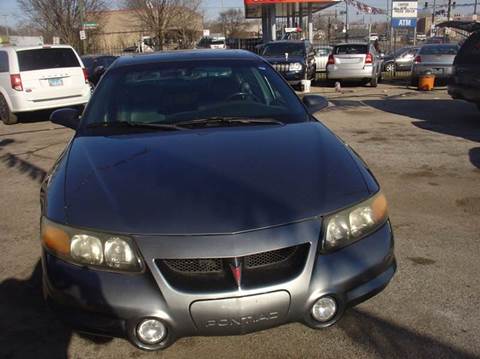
236,268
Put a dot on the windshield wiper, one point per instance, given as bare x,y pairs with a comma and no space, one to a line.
219,120
119,124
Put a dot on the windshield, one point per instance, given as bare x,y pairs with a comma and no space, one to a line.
439,50
48,58
169,93
280,49
351,50
323,51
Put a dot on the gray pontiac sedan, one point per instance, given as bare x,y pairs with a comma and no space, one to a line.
434,58
199,196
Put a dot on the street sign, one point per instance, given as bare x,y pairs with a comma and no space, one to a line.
83,35
206,32
90,25
404,13
404,22
56,40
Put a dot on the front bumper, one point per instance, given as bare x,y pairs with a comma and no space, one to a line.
111,304
440,71
462,92
20,103
294,77
335,72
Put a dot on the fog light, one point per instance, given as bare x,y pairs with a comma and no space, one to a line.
324,309
151,331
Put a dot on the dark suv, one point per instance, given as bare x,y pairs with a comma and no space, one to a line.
295,60
465,84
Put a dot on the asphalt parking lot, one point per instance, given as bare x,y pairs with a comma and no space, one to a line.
424,149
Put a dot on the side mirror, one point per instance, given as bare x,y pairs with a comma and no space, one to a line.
315,103
67,117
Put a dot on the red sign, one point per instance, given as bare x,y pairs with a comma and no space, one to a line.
253,2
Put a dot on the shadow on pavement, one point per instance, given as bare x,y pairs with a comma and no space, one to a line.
34,172
32,117
449,117
27,327
393,341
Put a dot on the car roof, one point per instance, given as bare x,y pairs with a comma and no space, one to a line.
287,42
35,47
469,26
352,43
441,45
184,55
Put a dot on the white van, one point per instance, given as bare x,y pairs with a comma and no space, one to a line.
40,77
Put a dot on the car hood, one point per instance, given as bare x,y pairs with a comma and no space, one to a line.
206,181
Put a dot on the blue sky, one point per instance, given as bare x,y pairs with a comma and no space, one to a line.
211,7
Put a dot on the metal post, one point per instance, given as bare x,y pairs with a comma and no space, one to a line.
310,23
346,21
475,8
433,18
449,10
300,16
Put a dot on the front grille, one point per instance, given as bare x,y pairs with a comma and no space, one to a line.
268,258
195,265
281,67
259,269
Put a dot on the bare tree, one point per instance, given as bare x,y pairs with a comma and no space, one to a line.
233,22
62,18
188,21
154,15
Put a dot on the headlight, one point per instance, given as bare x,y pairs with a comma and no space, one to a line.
296,66
351,224
88,248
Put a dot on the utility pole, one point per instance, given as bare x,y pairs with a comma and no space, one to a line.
475,8
449,9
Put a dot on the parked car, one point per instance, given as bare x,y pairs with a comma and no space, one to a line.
421,37
434,58
355,61
321,57
96,65
400,60
208,42
38,78
465,83
437,40
374,36
294,59
199,196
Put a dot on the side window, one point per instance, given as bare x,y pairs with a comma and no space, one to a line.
4,62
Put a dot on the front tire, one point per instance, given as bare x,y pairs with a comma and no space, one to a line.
414,81
6,115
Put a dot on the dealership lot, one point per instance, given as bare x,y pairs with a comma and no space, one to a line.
425,150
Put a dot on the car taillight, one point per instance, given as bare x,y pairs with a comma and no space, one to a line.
85,75
418,59
331,60
16,82
369,58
